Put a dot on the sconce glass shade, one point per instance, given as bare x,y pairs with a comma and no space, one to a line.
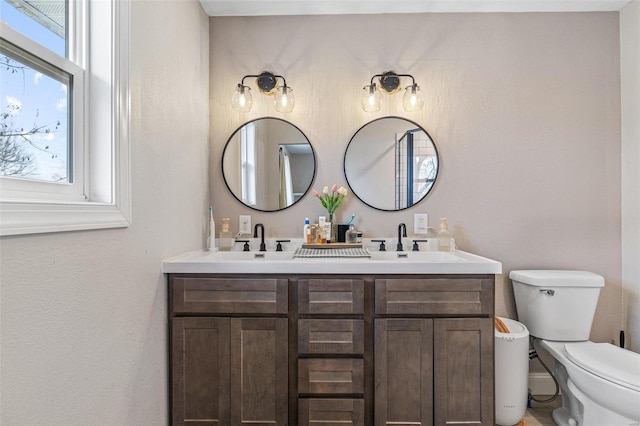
413,99
241,100
371,100
284,100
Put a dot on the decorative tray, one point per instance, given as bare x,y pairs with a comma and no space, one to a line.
351,252
330,246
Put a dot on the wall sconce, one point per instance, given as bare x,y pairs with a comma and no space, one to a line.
371,100
284,101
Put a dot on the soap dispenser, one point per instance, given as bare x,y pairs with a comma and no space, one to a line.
226,236
432,239
444,236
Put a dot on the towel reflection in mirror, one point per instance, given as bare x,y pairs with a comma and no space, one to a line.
286,184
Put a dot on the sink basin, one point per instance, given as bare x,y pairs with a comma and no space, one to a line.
415,256
249,255
389,262
403,256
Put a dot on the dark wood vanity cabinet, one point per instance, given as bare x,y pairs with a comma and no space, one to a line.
227,368
434,351
353,350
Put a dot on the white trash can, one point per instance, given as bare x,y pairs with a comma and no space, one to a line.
512,372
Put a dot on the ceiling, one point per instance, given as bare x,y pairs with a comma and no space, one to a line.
340,7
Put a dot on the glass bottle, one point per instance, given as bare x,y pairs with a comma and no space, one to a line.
444,236
351,236
226,236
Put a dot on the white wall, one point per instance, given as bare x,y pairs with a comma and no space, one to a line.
83,314
630,72
523,108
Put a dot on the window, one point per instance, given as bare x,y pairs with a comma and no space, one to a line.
248,159
64,68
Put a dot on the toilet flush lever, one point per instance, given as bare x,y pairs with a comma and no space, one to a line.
547,291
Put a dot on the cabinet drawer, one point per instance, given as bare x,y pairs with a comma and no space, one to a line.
229,295
330,412
327,376
434,296
330,336
331,296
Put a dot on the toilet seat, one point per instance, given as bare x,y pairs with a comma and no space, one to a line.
607,361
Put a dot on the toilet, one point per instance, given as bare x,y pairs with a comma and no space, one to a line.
599,382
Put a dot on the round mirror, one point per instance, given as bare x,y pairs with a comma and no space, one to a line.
268,164
391,163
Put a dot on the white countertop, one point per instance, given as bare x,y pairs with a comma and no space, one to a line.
389,262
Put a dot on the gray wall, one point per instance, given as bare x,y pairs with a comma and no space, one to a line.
83,314
524,110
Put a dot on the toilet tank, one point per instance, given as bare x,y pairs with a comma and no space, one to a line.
557,305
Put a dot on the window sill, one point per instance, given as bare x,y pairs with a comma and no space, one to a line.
20,218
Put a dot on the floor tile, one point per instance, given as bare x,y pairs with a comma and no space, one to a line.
540,413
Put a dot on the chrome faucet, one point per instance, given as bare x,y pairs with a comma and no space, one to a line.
263,247
402,232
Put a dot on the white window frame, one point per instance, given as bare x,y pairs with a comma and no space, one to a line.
103,197
248,157
43,60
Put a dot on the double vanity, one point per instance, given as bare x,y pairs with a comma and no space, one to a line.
271,338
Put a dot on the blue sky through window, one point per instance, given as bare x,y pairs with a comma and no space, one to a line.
34,99
31,28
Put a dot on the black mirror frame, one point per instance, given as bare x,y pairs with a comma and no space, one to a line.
313,151
344,163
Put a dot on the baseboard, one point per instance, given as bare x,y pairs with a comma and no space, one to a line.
541,384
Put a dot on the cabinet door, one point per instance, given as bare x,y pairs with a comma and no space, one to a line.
403,371
463,365
259,371
200,371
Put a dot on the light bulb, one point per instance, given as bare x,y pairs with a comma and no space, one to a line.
241,100
284,100
371,99
413,100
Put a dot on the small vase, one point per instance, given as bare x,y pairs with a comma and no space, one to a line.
334,228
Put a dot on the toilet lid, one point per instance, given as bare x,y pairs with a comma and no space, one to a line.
610,362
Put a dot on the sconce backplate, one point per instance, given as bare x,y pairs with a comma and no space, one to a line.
266,82
390,81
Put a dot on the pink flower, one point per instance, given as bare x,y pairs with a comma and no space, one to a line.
331,200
